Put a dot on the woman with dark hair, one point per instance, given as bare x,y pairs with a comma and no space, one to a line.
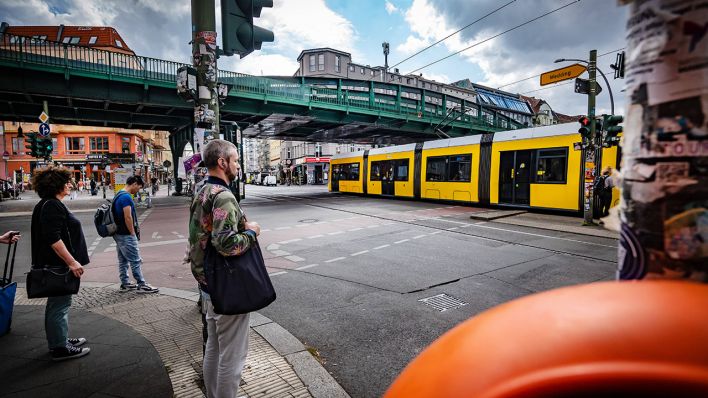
58,240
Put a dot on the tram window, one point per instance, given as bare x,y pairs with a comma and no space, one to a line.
401,170
459,168
375,171
353,171
435,170
551,165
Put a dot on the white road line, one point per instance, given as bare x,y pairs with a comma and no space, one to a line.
282,228
380,247
452,228
278,273
418,237
154,235
388,223
373,226
335,259
273,246
355,229
302,225
401,241
358,253
280,253
314,236
336,233
435,233
265,230
295,258
306,266
546,236
152,244
321,222
285,242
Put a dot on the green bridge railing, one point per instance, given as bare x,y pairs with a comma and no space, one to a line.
77,59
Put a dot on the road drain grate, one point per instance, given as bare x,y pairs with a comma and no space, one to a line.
443,302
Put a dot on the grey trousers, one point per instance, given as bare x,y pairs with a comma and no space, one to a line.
226,350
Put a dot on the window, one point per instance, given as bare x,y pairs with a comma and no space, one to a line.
75,145
401,170
372,73
320,62
93,39
362,71
312,63
75,40
460,168
98,144
18,146
318,150
337,65
125,144
119,44
66,40
351,68
16,39
457,168
55,144
375,171
435,171
551,165
347,171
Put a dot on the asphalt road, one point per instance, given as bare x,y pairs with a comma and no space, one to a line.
351,271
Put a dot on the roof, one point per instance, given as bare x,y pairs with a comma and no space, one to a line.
103,37
561,118
534,102
318,50
536,132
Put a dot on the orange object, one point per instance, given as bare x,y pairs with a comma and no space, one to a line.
638,338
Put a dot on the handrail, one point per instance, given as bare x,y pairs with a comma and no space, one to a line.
69,57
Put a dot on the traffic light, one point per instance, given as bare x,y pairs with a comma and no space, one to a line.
584,129
612,129
31,144
45,146
240,35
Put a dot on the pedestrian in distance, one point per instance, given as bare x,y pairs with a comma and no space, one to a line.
605,185
92,184
74,189
217,219
57,239
127,237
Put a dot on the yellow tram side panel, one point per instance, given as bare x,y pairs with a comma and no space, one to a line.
609,158
352,186
402,188
455,191
549,196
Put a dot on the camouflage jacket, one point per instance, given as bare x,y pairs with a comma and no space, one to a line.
215,215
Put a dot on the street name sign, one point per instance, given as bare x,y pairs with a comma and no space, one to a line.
44,130
558,75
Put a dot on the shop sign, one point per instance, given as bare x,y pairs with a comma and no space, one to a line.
316,160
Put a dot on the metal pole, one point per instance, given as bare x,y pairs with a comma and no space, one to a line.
206,107
589,165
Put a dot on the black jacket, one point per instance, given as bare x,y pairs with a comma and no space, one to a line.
52,221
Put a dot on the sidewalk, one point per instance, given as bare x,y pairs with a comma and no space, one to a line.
551,222
147,346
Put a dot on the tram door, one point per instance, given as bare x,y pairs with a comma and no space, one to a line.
515,177
335,177
387,181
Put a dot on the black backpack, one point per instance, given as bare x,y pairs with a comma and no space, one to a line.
599,186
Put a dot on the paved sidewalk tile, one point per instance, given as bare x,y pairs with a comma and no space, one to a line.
173,326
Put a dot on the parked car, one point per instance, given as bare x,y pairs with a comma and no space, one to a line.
269,181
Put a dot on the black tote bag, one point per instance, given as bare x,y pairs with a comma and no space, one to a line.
51,282
237,284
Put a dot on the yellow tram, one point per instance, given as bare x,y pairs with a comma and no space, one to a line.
536,167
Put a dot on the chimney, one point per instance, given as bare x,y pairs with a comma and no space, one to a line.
60,32
3,27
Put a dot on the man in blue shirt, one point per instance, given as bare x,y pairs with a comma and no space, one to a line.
127,237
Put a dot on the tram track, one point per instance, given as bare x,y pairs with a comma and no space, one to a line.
309,199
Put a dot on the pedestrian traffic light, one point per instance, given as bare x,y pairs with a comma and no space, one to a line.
45,146
31,144
612,129
584,129
240,35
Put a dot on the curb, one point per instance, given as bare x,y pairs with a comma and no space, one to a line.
604,233
315,377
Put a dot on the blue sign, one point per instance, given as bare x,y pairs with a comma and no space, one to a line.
44,130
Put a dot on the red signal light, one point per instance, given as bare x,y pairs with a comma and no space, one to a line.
584,120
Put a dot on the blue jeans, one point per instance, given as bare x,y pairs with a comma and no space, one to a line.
128,252
56,321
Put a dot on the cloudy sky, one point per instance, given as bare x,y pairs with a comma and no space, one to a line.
161,29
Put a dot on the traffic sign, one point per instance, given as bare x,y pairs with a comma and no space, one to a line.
558,75
44,130
43,117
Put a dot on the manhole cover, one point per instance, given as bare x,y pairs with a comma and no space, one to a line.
443,302
309,220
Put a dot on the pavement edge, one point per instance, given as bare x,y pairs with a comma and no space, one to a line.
319,382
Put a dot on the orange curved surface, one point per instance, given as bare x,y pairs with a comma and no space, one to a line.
602,339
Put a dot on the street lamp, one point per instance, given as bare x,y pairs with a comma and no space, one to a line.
609,89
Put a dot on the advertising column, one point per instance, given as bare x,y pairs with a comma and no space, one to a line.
664,209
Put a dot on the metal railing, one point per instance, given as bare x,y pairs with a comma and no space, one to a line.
76,58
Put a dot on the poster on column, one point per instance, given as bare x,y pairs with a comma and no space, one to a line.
665,178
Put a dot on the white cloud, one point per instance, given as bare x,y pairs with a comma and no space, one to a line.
438,77
259,64
390,8
411,45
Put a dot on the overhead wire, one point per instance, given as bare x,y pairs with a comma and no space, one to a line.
497,35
